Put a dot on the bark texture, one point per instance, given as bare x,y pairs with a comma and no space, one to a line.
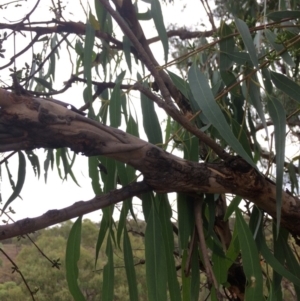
27,123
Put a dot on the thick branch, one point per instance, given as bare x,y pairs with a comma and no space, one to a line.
53,217
29,123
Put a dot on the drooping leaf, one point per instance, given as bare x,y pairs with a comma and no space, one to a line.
251,261
156,269
72,257
87,58
94,175
127,53
212,111
158,19
272,261
115,102
108,273
44,83
277,114
291,262
20,181
285,14
286,85
226,46
165,214
101,235
247,39
150,121
48,161
252,88
34,160
129,268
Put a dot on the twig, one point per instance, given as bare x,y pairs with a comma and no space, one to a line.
16,269
199,225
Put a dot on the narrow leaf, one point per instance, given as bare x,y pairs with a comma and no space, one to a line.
127,51
150,121
286,14
115,102
108,273
87,58
165,214
247,39
44,83
34,160
212,111
156,274
277,114
20,180
251,262
160,27
72,257
129,268
286,85
226,46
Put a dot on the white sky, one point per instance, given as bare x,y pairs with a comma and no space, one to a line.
37,196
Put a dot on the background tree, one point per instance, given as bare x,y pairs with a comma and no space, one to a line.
219,96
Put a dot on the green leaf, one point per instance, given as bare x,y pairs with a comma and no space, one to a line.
247,39
277,114
132,127
115,102
44,83
94,175
156,273
212,111
233,250
291,262
286,85
165,214
251,261
101,235
48,161
226,46
20,182
253,90
286,14
272,261
160,27
88,58
271,37
195,274
108,273
129,268
232,207
34,160
72,257
186,281
127,51
150,121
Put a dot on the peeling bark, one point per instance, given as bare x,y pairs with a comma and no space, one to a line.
27,123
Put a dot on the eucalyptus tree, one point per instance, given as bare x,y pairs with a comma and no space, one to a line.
230,101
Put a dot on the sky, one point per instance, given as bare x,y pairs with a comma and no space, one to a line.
38,197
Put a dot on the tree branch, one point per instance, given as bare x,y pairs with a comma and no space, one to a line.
27,123
55,216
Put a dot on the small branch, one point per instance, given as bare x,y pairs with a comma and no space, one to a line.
12,59
16,269
53,217
199,225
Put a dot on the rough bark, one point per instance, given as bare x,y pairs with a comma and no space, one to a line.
27,123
